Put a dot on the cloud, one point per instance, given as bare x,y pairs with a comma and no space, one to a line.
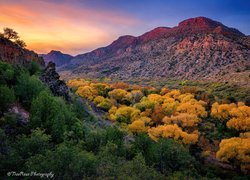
66,26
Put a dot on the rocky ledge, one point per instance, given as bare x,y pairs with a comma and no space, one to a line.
52,79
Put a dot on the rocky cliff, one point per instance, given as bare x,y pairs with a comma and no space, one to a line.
52,79
198,48
12,53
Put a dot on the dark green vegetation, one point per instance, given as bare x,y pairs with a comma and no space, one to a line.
65,139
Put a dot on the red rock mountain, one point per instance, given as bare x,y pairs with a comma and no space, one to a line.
198,48
12,53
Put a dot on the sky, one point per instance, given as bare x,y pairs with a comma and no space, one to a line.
79,26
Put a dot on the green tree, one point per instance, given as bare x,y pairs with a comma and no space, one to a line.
6,73
7,97
35,143
27,88
169,156
66,162
49,113
33,68
137,169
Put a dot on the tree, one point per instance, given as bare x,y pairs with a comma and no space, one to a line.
184,120
7,98
137,169
105,104
169,156
101,88
221,111
27,88
10,33
126,114
158,99
7,73
75,83
157,114
172,131
235,150
240,118
118,94
49,113
20,43
86,92
33,68
98,99
66,162
138,126
35,143
192,107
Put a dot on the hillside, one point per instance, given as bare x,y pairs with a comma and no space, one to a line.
12,53
99,130
198,48
56,57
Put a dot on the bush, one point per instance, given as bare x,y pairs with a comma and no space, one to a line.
49,113
6,73
7,97
169,156
27,88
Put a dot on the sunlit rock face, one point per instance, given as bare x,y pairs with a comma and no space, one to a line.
198,48
12,53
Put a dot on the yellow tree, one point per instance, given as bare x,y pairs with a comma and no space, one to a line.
136,96
164,91
138,126
98,99
173,131
221,112
236,151
144,104
156,98
101,88
112,112
184,120
126,114
240,118
173,94
86,92
105,104
118,94
75,83
192,107
169,106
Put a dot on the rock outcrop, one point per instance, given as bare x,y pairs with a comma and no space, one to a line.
12,53
52,79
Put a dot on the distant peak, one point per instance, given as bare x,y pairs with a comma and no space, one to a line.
54,51
126,37
200,21
124,40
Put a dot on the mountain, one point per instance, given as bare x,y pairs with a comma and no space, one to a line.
57,57
12,53
198,48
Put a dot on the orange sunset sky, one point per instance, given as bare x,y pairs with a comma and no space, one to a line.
47,25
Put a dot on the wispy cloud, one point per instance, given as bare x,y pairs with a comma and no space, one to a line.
47,25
